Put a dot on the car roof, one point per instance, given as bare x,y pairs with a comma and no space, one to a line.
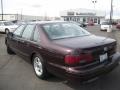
45,22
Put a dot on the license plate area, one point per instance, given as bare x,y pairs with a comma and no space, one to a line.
103,57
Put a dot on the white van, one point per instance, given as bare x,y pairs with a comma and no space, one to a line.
105,26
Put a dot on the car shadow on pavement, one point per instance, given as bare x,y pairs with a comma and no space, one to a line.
109,81
53,78
2,32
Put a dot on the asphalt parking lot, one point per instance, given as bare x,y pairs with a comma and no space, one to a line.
17,74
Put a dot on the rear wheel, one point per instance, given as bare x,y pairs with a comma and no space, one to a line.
39,67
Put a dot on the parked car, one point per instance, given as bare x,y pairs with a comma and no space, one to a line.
114,23
7,26
63,49
79,24
91,23
118,26
105,26
83,24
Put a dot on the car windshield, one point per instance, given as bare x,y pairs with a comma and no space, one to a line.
8,23
64,30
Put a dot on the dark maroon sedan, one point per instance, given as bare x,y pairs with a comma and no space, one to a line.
63,49
118,26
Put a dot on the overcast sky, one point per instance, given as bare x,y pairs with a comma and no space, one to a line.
53,7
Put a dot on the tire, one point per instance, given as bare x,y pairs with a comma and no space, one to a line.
9,51
6,31
39,67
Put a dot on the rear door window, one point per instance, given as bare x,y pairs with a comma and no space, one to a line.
27,33
19,30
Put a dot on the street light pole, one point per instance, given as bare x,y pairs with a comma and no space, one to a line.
111,12
94,2
21,14
2,8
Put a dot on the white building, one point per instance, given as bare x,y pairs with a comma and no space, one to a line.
83,15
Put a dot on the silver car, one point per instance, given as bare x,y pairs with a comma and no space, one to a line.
7,26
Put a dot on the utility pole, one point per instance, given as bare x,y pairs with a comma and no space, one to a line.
2,9
111,12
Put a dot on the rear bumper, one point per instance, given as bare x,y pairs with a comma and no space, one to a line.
82,73
85,74
103,29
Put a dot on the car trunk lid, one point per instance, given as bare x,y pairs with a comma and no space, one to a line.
95,46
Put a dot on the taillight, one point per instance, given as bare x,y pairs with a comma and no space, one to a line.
73,59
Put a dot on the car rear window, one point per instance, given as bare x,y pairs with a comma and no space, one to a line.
64,30
105,23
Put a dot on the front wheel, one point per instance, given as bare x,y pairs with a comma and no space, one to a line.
39,67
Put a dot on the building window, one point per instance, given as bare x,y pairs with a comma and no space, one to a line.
70,18
64,19
95,20
84,19
11,16
88,19
78,19
73,19
67,19
98,20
